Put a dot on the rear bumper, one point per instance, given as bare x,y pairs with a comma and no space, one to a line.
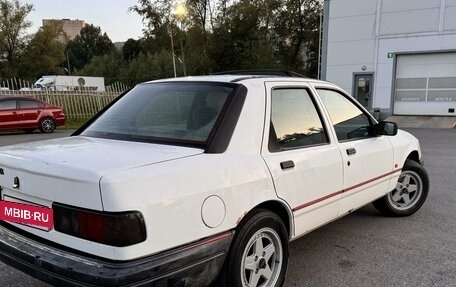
60,121
192,265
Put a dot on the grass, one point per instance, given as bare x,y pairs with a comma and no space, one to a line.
73,124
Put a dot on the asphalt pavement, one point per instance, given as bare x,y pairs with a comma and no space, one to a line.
364,248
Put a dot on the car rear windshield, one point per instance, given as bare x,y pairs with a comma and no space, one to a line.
176,112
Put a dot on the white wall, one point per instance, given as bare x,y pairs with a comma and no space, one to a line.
412,21
362,33
450,16
351,39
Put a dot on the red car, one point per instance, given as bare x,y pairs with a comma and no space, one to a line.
20,113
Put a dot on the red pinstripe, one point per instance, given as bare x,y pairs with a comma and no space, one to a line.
307,204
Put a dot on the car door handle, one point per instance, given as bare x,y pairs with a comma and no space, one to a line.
287,164
351,151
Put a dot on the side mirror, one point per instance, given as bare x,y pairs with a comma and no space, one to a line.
385,129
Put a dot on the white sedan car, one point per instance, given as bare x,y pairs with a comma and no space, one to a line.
200,180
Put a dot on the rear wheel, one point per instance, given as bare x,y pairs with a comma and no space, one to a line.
410,193
47,125
259,254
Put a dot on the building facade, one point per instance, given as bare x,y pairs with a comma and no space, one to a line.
398,56
72,28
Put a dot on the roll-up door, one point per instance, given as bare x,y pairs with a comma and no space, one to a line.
425,84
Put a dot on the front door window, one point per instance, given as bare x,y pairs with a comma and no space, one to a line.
349,121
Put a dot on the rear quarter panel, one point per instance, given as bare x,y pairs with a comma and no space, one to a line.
171,194
57,114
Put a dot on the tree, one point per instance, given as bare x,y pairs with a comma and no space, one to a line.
199,11
89,43
13,25
197,60
220,35
145,67
110,66
131,49
157,18
45,53
239,42
155,14
297,29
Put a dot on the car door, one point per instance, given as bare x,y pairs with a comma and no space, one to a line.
368,158
304,161
29,112
8,114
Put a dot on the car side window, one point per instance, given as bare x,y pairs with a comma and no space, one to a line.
29,104
295,120
7,105
349,121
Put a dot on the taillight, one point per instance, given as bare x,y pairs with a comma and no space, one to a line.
110,228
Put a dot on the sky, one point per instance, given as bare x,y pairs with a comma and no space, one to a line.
112,16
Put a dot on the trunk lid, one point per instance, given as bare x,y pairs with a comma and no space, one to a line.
69,170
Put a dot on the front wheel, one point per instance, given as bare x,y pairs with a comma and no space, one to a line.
47,125
410,193
259,254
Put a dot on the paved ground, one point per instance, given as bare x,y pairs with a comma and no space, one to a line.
365,249
424,122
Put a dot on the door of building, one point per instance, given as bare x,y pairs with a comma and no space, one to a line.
363,89
425,84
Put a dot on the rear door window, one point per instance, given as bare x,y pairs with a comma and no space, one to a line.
295,120
30,104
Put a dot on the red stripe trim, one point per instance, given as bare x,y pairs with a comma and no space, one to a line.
344,190
371,180
317,200
209,240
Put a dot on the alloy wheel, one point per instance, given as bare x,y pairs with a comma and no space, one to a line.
262,259
408,190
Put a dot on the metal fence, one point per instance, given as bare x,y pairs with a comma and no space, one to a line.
15,84
77,104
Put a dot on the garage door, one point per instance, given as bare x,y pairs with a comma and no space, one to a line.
426,84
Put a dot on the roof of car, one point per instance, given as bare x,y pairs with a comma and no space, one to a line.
212,78
234,78
262,72
18,98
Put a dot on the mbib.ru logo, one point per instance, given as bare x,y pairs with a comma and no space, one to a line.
26,214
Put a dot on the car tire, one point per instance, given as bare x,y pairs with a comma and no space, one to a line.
47,125
258,254
410,193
